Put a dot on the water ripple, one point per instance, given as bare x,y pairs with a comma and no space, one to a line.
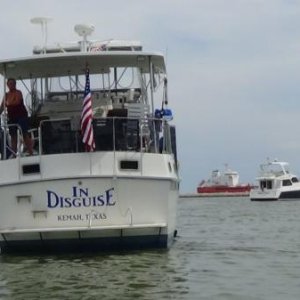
228,248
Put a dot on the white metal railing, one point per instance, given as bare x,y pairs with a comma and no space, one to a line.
111,134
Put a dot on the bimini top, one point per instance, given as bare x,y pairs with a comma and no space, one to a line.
64,64
274,169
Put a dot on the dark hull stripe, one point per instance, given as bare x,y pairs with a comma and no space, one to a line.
264,199
290,195
85,245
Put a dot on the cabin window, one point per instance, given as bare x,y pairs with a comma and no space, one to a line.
57,137
31,169
129,164
266,184
263,184
295,179
103,134
286,182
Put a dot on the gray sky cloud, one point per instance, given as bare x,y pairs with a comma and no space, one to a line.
233,67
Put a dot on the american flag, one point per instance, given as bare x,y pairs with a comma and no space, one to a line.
87,116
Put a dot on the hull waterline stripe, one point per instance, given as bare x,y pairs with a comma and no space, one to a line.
87,228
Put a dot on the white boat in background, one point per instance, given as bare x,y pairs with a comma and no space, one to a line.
275,182
122,195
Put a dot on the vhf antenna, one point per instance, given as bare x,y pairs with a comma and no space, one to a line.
43,21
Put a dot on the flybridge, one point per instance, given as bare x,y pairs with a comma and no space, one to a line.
96,46
71,58
83,30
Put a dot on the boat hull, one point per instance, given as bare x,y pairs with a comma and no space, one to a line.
223,190
121,241
275,195
91,213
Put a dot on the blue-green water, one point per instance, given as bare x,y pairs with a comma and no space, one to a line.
227,248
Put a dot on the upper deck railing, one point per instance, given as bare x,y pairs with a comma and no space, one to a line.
59,136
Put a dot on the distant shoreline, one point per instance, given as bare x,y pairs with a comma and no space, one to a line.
195,195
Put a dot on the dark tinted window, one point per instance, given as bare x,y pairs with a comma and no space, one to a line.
286,182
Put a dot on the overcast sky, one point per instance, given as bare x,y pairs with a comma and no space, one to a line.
233,68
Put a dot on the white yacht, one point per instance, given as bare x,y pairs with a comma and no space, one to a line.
275,182
121,195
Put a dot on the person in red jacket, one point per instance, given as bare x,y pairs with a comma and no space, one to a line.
17,114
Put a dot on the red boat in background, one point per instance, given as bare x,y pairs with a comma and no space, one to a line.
223,184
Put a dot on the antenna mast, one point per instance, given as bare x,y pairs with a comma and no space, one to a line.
43,21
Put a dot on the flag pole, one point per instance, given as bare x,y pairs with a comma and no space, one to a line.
87,116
